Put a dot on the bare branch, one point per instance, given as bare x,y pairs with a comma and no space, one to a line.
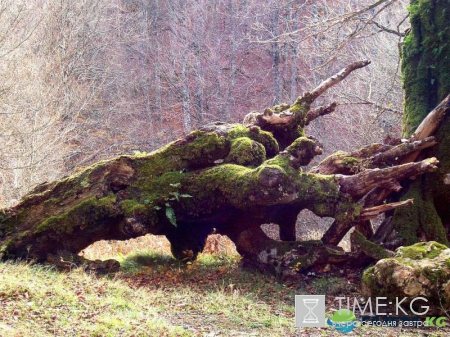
330,23
403,149
372,156
381,182
373,212
310,97
337,230
431,123
361,183
386,29
320,111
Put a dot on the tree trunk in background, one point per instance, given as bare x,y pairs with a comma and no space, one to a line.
426,73
275,51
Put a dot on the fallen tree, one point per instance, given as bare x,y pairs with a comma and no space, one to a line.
227,178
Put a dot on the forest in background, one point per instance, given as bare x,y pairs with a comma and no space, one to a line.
87,80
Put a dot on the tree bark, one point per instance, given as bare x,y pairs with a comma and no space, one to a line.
426,73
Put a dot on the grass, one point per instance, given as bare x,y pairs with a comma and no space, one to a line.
154,295
37,301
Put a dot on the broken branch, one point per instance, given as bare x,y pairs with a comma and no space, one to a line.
310,97
373,212
361,183
320,111
403,149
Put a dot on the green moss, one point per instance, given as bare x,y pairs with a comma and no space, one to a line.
147,196
199,149
280,162
6,226
22,235
281,107
405,261
426,65
11,221
50,201
347,212
4,247
422,250
246,152
403,276
275,179
371,275
225,183
321,189
167,182
320,194
131,207
369,280
305,254
255,133
436,276
338,155
350,160
238,131
241,145
321,209
371,249
447,263
287,134
344,163
419,218
83,214
302,151
300,110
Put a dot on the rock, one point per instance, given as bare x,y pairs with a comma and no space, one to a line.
420,270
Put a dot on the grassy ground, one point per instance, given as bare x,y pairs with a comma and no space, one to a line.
153,295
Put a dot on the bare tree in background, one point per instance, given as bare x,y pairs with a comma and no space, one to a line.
50,61
21,127
324,35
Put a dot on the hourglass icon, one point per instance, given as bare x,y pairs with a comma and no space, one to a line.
310,304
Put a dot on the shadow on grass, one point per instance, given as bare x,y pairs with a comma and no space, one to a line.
134,262
223,273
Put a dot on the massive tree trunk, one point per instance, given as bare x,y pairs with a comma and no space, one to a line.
227,178
426,73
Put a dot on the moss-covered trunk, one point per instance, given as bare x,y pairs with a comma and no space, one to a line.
426,74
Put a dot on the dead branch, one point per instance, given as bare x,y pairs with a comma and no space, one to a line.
373,212
404,149
287,115
429,126
320,111
310,97
431,123
361,183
